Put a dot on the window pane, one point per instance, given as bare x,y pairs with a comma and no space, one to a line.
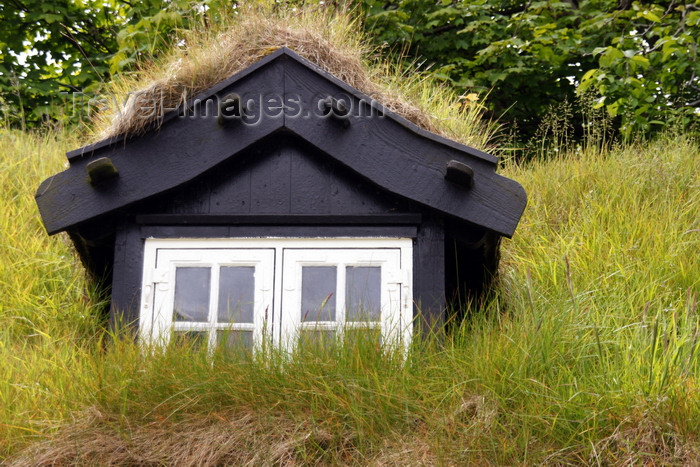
236,294
363,293
235,340
192,294
318,293
193,339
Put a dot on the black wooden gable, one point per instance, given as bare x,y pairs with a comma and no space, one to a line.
282,97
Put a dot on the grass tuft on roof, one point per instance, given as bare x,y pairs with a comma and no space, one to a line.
330,37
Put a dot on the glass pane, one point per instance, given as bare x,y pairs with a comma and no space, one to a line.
235,340
318,293
236,294
363,293
192,294
193,339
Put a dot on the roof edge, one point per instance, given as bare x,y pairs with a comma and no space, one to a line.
396,117
88,150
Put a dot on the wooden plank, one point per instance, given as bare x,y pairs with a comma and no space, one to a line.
184,231
351,194
310,183
190,199
292,231
254,219
329,231
429,275
270,183
403,161
180,151
127,274
230,188
118,302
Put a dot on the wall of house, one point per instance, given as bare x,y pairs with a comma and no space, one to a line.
280,188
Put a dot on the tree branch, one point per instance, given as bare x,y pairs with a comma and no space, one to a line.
439,30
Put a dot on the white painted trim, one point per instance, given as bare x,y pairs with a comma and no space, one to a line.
161,254
388,259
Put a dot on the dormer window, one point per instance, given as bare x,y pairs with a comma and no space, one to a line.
321,214
235,292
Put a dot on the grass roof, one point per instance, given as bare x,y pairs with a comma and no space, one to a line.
328,37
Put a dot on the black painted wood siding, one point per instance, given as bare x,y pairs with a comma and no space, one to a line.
385,148
297,175
280,177
285,189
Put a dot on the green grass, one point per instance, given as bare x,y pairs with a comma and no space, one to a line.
587,354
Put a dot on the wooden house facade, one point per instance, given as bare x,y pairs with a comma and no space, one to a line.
282,201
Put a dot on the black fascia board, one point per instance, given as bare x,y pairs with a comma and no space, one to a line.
89,150
388,150
474,153
391,154
273,220
179,151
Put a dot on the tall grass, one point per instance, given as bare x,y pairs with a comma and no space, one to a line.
587,353
47,318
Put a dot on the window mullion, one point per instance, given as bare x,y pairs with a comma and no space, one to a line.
282,323
213,304
340,297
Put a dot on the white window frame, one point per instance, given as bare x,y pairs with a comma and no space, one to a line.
388,259
158,292
278,262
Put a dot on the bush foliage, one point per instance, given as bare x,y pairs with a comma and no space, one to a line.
639,59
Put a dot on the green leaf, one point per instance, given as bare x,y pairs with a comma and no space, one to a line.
646,14
642,61
589,74
587,81
51,18
609,57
